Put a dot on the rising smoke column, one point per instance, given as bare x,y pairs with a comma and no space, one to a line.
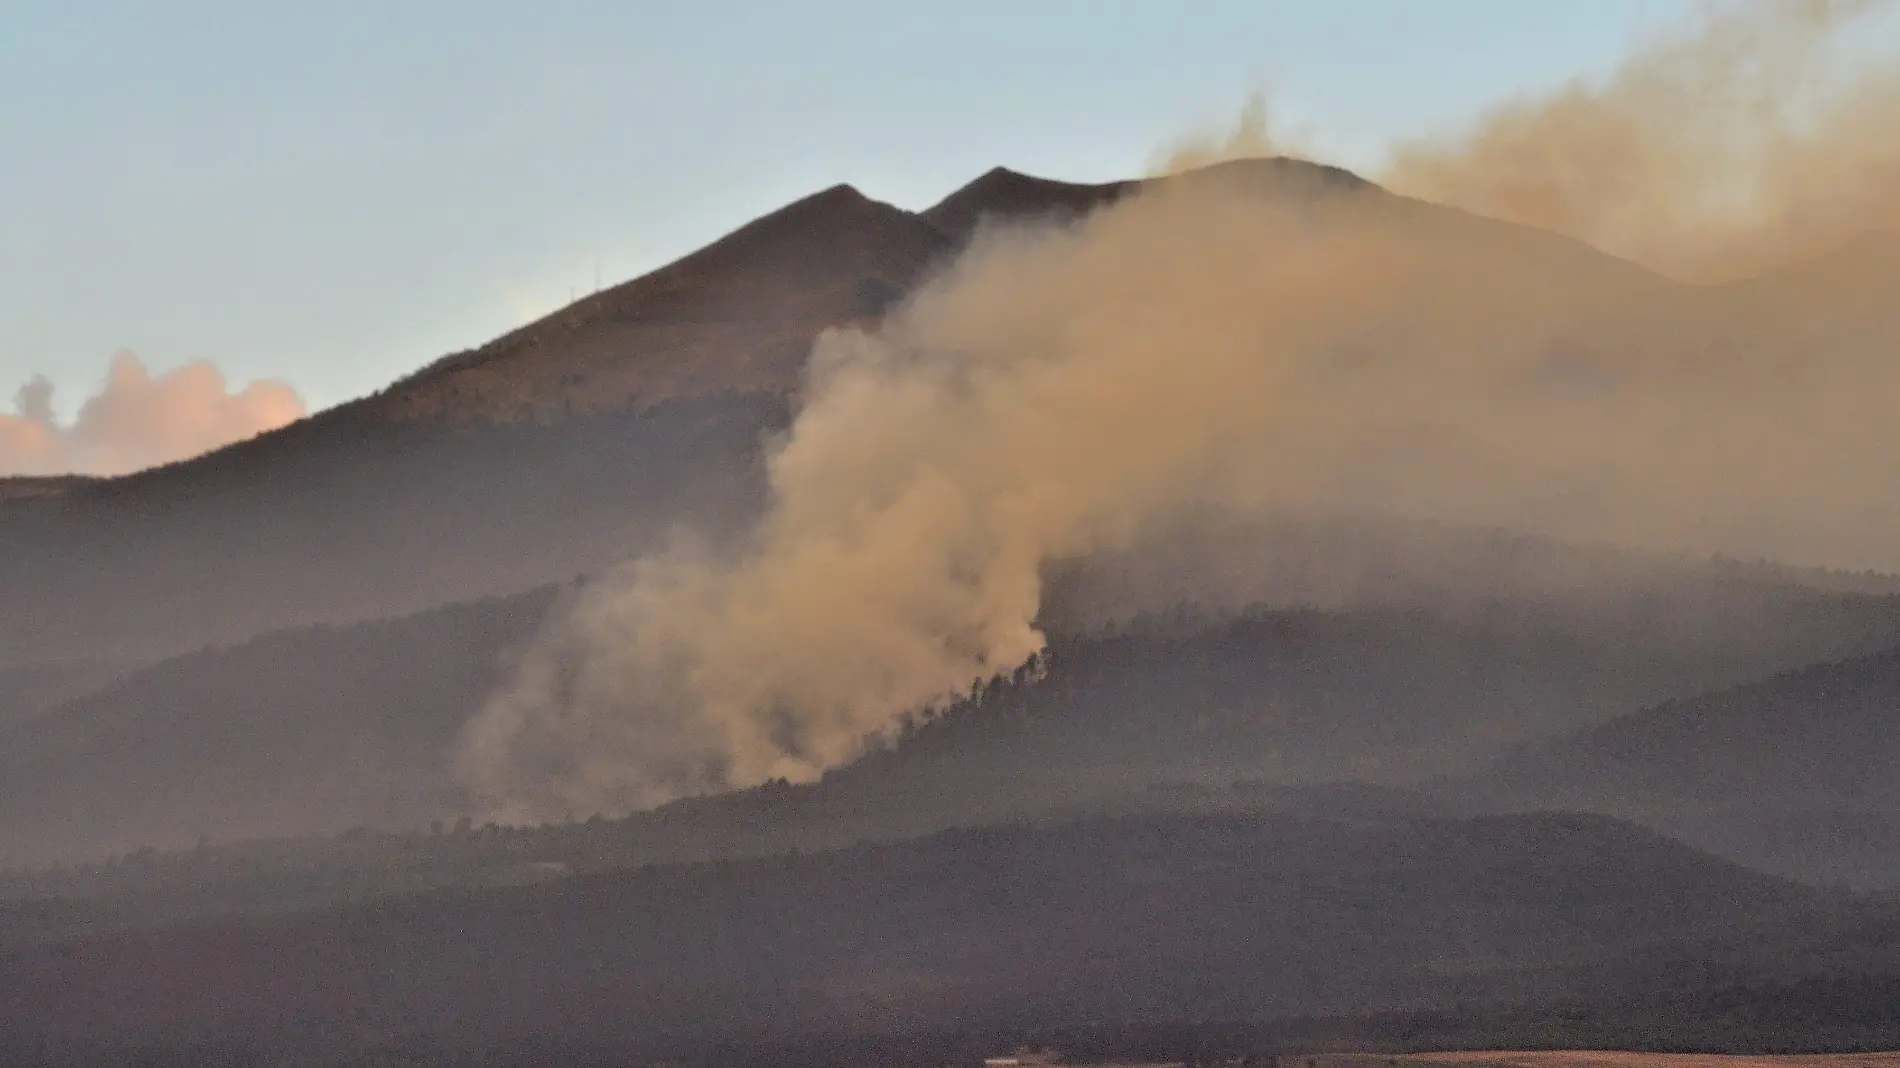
1240,342
1749,140
138,420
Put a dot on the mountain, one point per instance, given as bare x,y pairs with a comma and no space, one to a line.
614,424
557,449
550,452
998,930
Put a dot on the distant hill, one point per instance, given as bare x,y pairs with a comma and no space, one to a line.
319,728
1827,733
1798,773
999,930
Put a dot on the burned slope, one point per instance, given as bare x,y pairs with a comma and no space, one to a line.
1103,921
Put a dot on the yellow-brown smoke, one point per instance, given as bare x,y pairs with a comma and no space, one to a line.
1254,342
1753,139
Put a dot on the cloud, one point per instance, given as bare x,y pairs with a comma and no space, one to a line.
137,420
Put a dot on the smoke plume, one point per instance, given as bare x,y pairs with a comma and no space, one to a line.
1750,140
1266,347
1257,342
1257,133
137,420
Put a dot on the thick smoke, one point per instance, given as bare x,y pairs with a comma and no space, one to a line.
1753,139
137,420
1256,343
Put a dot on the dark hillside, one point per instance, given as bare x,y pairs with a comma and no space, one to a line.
1799,773
316,729
362,718
338,519
1121,920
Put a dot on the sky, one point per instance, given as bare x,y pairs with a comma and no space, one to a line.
334,194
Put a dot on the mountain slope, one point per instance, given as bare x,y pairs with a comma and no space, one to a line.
739,314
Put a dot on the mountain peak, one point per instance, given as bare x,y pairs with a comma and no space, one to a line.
738,314
1001,193
1281,173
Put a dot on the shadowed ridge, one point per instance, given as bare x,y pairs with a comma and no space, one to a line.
1824,734
738,314
1007,195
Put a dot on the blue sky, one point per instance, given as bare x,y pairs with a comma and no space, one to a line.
336,193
